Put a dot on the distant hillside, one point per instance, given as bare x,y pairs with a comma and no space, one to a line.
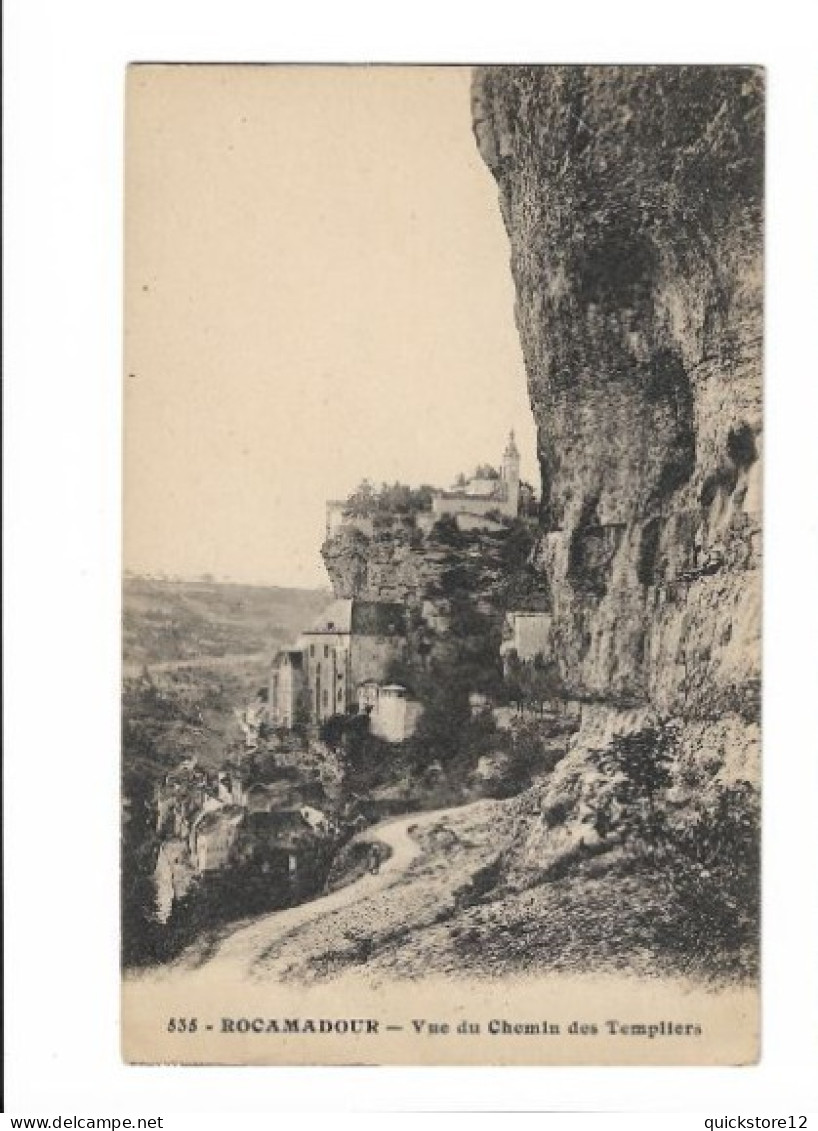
172,621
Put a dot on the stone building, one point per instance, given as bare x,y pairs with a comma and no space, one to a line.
393,714
470,501
288,689
527,635
215,838
351,642
481,496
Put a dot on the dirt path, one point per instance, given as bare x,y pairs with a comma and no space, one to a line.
240,952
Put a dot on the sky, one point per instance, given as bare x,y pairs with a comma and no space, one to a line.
317,290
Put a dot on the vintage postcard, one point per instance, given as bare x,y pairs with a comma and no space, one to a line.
442,551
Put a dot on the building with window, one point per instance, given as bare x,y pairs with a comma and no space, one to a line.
351,642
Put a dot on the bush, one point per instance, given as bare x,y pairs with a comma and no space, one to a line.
704,854
741,446
533,745
638,769
712,873
533,685
447,532
333,729
368,501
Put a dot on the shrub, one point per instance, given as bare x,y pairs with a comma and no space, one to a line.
712,874
703,853
638,768
741,446
333,729
446,531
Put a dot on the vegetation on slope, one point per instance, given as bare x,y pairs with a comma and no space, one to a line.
168,621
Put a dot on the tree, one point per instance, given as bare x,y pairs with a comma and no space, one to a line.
361,503
529,506
513,680
421,498
446,531
724,830
395,499
533,684
438,733
367,501
638,767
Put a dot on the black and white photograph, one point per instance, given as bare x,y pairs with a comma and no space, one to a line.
442,564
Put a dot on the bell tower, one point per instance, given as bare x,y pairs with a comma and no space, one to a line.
511,475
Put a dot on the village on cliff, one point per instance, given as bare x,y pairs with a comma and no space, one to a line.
429,591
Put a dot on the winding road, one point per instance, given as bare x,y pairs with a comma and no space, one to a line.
239,954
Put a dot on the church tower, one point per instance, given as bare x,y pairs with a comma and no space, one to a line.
511,476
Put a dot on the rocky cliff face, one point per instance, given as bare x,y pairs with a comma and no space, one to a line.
632,198
444,576
395,565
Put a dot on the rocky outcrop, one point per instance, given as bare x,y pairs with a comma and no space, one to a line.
441,574
394,566
632,198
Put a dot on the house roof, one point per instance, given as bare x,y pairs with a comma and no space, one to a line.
292,655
